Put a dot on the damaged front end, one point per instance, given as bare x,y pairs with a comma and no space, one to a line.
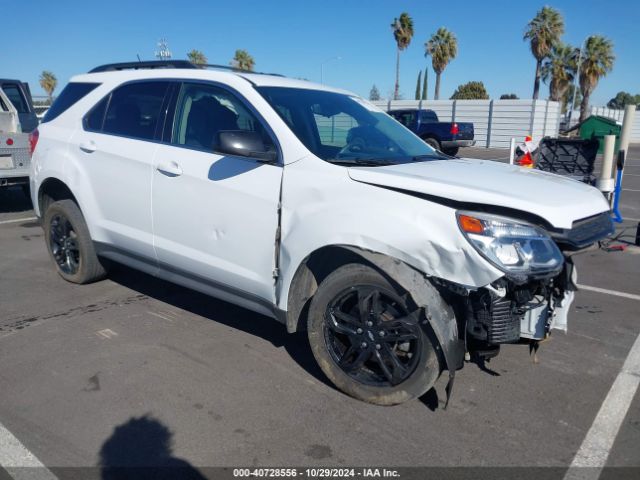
538,287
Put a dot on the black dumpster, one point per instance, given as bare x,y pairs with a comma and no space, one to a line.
572,157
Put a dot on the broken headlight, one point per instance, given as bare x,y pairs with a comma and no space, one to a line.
512,246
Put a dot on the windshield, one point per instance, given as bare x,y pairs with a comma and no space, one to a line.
344,129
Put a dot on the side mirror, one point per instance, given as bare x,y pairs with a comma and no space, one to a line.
244,143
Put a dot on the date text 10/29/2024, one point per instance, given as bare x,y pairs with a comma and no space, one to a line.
315,473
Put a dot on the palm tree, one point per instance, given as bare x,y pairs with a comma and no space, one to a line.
544,32
243,61
197,57
48,82
597,60
559,70
443,47
402,33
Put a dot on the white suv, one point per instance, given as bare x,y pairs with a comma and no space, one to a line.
310,205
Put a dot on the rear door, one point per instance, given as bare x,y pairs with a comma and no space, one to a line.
215,215
115,151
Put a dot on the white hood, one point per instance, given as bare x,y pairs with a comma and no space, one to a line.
557,199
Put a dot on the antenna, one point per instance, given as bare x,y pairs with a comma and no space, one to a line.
163,52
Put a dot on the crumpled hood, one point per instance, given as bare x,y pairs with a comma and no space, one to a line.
557,199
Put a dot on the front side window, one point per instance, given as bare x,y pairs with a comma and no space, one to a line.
16,97
203,111
134,110
345,129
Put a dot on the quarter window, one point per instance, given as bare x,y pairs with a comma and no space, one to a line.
134,110
203,111
71,94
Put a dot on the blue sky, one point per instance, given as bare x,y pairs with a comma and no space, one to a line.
295,37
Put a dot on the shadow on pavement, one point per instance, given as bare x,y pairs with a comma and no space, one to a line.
296,344
141,448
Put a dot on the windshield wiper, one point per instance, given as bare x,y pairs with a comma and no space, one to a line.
438,156
361,162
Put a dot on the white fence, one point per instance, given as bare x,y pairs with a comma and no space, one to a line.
495,121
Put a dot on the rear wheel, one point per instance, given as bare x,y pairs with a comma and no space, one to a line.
70,244
453,151
366,337
432,142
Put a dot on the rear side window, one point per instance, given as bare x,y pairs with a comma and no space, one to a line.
67,98
428,116
134,110
16,97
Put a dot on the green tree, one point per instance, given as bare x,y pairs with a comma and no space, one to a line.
374,93
48,82
402,28
425,89
470,91
442,47
597,61
243,61
621,100
559,69
418,85
543,31
509,96
197,57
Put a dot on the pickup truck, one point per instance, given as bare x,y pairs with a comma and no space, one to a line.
447,137
15,155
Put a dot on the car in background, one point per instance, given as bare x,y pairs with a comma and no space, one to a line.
15,155
20,96
447,137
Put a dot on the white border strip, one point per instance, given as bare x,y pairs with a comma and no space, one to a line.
16,220
19,462
597,445
631,296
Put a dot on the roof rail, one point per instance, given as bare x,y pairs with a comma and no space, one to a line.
111,67
153,64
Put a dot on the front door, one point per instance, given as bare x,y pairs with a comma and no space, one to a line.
215,215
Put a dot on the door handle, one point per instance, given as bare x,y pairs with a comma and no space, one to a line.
170,169
88,147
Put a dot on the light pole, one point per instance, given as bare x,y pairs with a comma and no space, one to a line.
576,81
326,61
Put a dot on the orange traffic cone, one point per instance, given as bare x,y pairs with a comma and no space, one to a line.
527,160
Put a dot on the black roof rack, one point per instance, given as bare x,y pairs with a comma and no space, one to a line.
152,64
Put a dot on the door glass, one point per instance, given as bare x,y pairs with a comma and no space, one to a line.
203,111
135,110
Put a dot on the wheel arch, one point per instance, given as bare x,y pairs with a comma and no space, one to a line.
53,189
439,316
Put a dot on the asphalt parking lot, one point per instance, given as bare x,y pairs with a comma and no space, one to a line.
134,370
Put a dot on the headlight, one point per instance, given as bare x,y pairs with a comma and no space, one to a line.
512,246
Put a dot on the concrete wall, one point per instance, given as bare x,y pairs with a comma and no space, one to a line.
495,121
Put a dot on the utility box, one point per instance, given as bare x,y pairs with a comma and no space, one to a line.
596,127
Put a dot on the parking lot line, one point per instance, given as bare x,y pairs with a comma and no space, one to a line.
19,462
16,220
595,448
615,293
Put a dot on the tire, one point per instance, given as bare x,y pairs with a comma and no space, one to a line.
69,243
432,142
350,348
453,151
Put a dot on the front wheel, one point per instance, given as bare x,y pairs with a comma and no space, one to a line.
365,335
